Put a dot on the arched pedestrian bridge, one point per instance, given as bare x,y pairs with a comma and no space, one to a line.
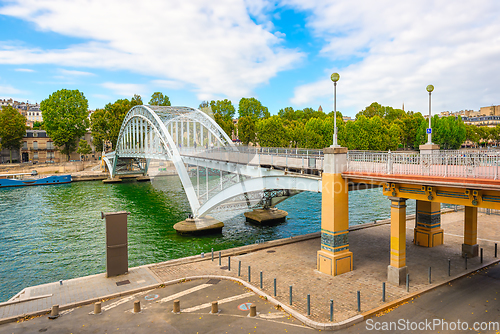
214,171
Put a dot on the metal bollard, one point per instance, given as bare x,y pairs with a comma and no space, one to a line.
54,313
331,310
212,255
359,301
481,255
137,306
308,304
220,263
215,307
496,248
383,291
449,267
253,310
177,306
239,268
249,277
229,263
97,308
290,295
60,282
465,261
429,275
261,279
407,282
275,287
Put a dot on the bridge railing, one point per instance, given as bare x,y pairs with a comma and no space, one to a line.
290,158
459,164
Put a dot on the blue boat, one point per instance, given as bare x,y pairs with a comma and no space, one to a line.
18,180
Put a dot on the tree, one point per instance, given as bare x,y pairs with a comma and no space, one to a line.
158,99
106,123
65,115
83,148
271,132
37,125
251,107
246,130
12,129
203,104
223,114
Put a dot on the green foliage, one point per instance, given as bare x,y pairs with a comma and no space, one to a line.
65,118
203,104
84,147
447,132
388,113
158,99
246,130
251,107
271,132
37,125
106,123
12,128
223,114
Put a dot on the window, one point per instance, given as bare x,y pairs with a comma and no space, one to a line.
50,145
35,156
25,145
50,155
35,145
35,134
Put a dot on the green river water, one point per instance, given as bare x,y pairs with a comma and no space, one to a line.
48,233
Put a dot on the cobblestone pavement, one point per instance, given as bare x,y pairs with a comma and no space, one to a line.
295,265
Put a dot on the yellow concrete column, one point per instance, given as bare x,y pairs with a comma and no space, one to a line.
428,231
334,258
470,246
396,271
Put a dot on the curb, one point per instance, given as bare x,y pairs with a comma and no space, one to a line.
375,311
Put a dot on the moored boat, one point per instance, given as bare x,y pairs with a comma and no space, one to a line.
20,180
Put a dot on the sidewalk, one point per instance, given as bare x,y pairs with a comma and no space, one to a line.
292,262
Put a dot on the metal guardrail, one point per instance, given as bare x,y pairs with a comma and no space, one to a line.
460,164
289,158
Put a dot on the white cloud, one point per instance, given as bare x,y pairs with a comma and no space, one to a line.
124,89
75,73
172,84
28,70
9,90
401,47
214,47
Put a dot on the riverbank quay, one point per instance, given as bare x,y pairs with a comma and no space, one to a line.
292,262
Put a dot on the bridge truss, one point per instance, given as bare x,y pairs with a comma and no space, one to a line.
214,173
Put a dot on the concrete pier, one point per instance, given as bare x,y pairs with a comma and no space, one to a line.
113,180
270,216
201,225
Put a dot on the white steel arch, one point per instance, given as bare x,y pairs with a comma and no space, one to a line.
144,134
298,183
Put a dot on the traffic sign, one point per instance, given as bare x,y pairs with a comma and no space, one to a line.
245,306
429,130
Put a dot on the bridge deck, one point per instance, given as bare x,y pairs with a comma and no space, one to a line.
454,182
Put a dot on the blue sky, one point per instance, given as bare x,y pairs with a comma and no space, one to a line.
281,52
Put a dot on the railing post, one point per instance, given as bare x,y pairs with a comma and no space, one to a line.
389,162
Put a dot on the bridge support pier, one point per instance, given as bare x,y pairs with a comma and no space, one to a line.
470,246
334,258
428,231
396,271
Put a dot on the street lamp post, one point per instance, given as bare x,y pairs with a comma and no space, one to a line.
335,77
430,88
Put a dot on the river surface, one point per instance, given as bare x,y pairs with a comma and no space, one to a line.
48,233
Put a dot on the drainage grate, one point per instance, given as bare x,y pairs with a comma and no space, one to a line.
213,281
224,268
122,282
271,251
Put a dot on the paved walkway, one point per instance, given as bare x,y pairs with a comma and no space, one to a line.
292,264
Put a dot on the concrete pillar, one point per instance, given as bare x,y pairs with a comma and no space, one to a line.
396,271
470,246
334,258
428,231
